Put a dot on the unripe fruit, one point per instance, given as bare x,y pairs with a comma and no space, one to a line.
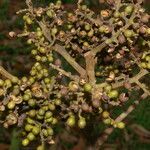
29,20
148,31
128,33
105,114
32,102
54,121
50,131
48,114
83,7
25,142
28,127
121,125
42,50
32,113
91,33
113,94
26,97
107,121
87,87
39,33
7,83
51,107
36,130
41,112
57,102
87,27
40,147
1,82
71,121
11,105
81,122
50,13
54,31
116,14
129,9
30,136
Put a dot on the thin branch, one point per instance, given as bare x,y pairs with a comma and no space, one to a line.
67,74
121,117
61,50
90,66
6,74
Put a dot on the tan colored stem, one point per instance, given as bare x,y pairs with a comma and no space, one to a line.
121,117
90,67
67,74
6,74
61,50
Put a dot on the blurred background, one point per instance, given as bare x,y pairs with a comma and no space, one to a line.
14,57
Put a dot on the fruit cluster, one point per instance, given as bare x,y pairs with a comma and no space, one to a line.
79,58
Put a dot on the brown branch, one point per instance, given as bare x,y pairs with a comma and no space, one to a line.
90,66
134,79
115,35
121,117
61,50
67,74
6,74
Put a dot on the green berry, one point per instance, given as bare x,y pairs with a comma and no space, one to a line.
36,130
25,142
41,112
87,87
1,82
40,147
50,131
71,121
32,102
48,114
129,9
28,127
105,114
32,113
51,107
128,33
120,125
11,105
26,97
81,123
30,136
113,94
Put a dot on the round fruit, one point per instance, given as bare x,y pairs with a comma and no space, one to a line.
28,127
40,147
129,9
71,121
81,123
113,94
121,125
105,114
87,87
11,105
30,136
36,130
128,33
25,142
